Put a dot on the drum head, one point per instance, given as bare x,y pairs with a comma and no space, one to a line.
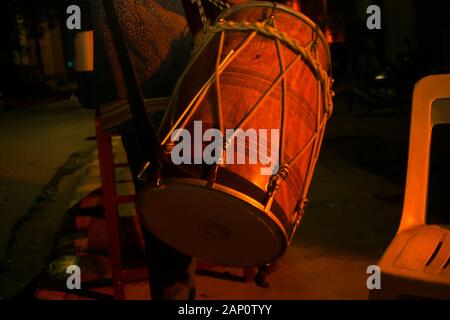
211,224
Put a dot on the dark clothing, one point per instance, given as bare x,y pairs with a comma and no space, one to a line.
171,273
160,43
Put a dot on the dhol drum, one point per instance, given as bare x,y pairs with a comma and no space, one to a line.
242,136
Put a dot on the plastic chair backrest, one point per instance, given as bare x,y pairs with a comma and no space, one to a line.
431,106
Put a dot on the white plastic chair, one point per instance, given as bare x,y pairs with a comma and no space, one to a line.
417,262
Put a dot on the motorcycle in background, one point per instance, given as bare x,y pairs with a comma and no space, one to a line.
385,87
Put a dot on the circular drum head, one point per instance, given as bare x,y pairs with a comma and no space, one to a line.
211,224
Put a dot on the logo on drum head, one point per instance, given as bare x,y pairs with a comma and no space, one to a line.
239,146
211,232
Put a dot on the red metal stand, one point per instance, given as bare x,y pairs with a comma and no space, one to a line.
110,201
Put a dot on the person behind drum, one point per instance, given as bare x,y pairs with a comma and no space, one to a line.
160,45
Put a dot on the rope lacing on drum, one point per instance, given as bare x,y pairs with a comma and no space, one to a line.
300,208
303,51
274,184
276,180
300,212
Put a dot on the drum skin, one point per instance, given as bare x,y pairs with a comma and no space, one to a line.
242,83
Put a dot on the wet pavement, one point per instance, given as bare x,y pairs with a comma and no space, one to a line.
41,146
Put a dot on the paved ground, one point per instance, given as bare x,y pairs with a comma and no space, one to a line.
40,147
355,203
355,206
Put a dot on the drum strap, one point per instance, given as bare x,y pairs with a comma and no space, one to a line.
222,5
148,138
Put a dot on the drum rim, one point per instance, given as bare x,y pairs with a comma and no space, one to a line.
299,15
268,217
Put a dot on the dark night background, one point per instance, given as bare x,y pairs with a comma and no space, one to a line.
410,27
420,27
